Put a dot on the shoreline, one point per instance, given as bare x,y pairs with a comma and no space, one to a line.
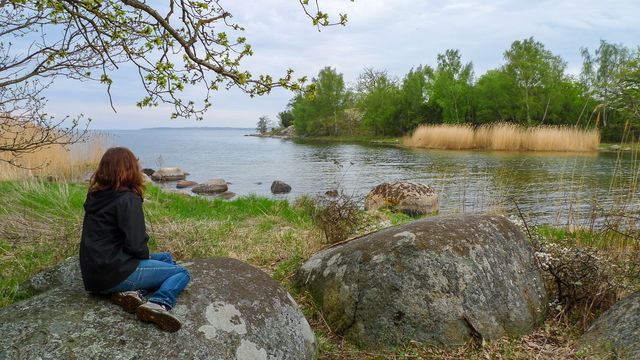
397,141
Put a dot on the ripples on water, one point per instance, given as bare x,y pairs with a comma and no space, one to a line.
554,188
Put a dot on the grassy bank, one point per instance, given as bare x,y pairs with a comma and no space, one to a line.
42,222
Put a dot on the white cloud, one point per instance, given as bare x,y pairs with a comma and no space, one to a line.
392,35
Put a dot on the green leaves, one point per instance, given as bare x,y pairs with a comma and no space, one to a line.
184,44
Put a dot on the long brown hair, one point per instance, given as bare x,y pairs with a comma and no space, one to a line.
118,170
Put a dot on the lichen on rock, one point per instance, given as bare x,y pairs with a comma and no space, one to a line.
438,281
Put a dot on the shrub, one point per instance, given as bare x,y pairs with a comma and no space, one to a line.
583,281
335,213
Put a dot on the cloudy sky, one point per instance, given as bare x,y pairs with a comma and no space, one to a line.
388,35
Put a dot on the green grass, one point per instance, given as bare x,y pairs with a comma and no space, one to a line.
178,206
603,240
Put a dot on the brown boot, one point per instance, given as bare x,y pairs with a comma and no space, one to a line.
129,300
158,314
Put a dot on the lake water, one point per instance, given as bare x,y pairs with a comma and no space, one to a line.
554,188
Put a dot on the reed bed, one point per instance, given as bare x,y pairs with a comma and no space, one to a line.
503,136
56,161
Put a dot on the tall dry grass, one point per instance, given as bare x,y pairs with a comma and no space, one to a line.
57,161
504,136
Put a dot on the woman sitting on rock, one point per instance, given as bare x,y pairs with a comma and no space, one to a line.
114,256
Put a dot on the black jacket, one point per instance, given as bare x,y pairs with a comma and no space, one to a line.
114,239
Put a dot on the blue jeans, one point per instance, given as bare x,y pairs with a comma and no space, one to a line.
159,272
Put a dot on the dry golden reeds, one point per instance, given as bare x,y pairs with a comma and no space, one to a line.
56,161
504,136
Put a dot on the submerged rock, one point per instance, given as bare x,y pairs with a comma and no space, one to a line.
616,333
407,197
185,184
227,195
438,281
230,310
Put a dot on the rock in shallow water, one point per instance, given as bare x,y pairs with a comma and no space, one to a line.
169,174
212,186
406,197
437,281
280,187
230,310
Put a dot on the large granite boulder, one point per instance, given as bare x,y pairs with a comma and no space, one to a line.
169,174
230,310
212,186
438,281
616,333
407,197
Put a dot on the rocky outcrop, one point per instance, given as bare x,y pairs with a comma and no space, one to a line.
287,133
230,310
169,174
148,171
280,187
185,184
212,186
616,333
438,281
407,197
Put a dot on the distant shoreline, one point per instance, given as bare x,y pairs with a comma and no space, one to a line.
178,128
195,128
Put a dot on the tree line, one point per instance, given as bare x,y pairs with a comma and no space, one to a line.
532,87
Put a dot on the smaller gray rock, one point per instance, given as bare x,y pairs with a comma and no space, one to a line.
185,184
280,187
148,171
616,333
212,186
169,174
